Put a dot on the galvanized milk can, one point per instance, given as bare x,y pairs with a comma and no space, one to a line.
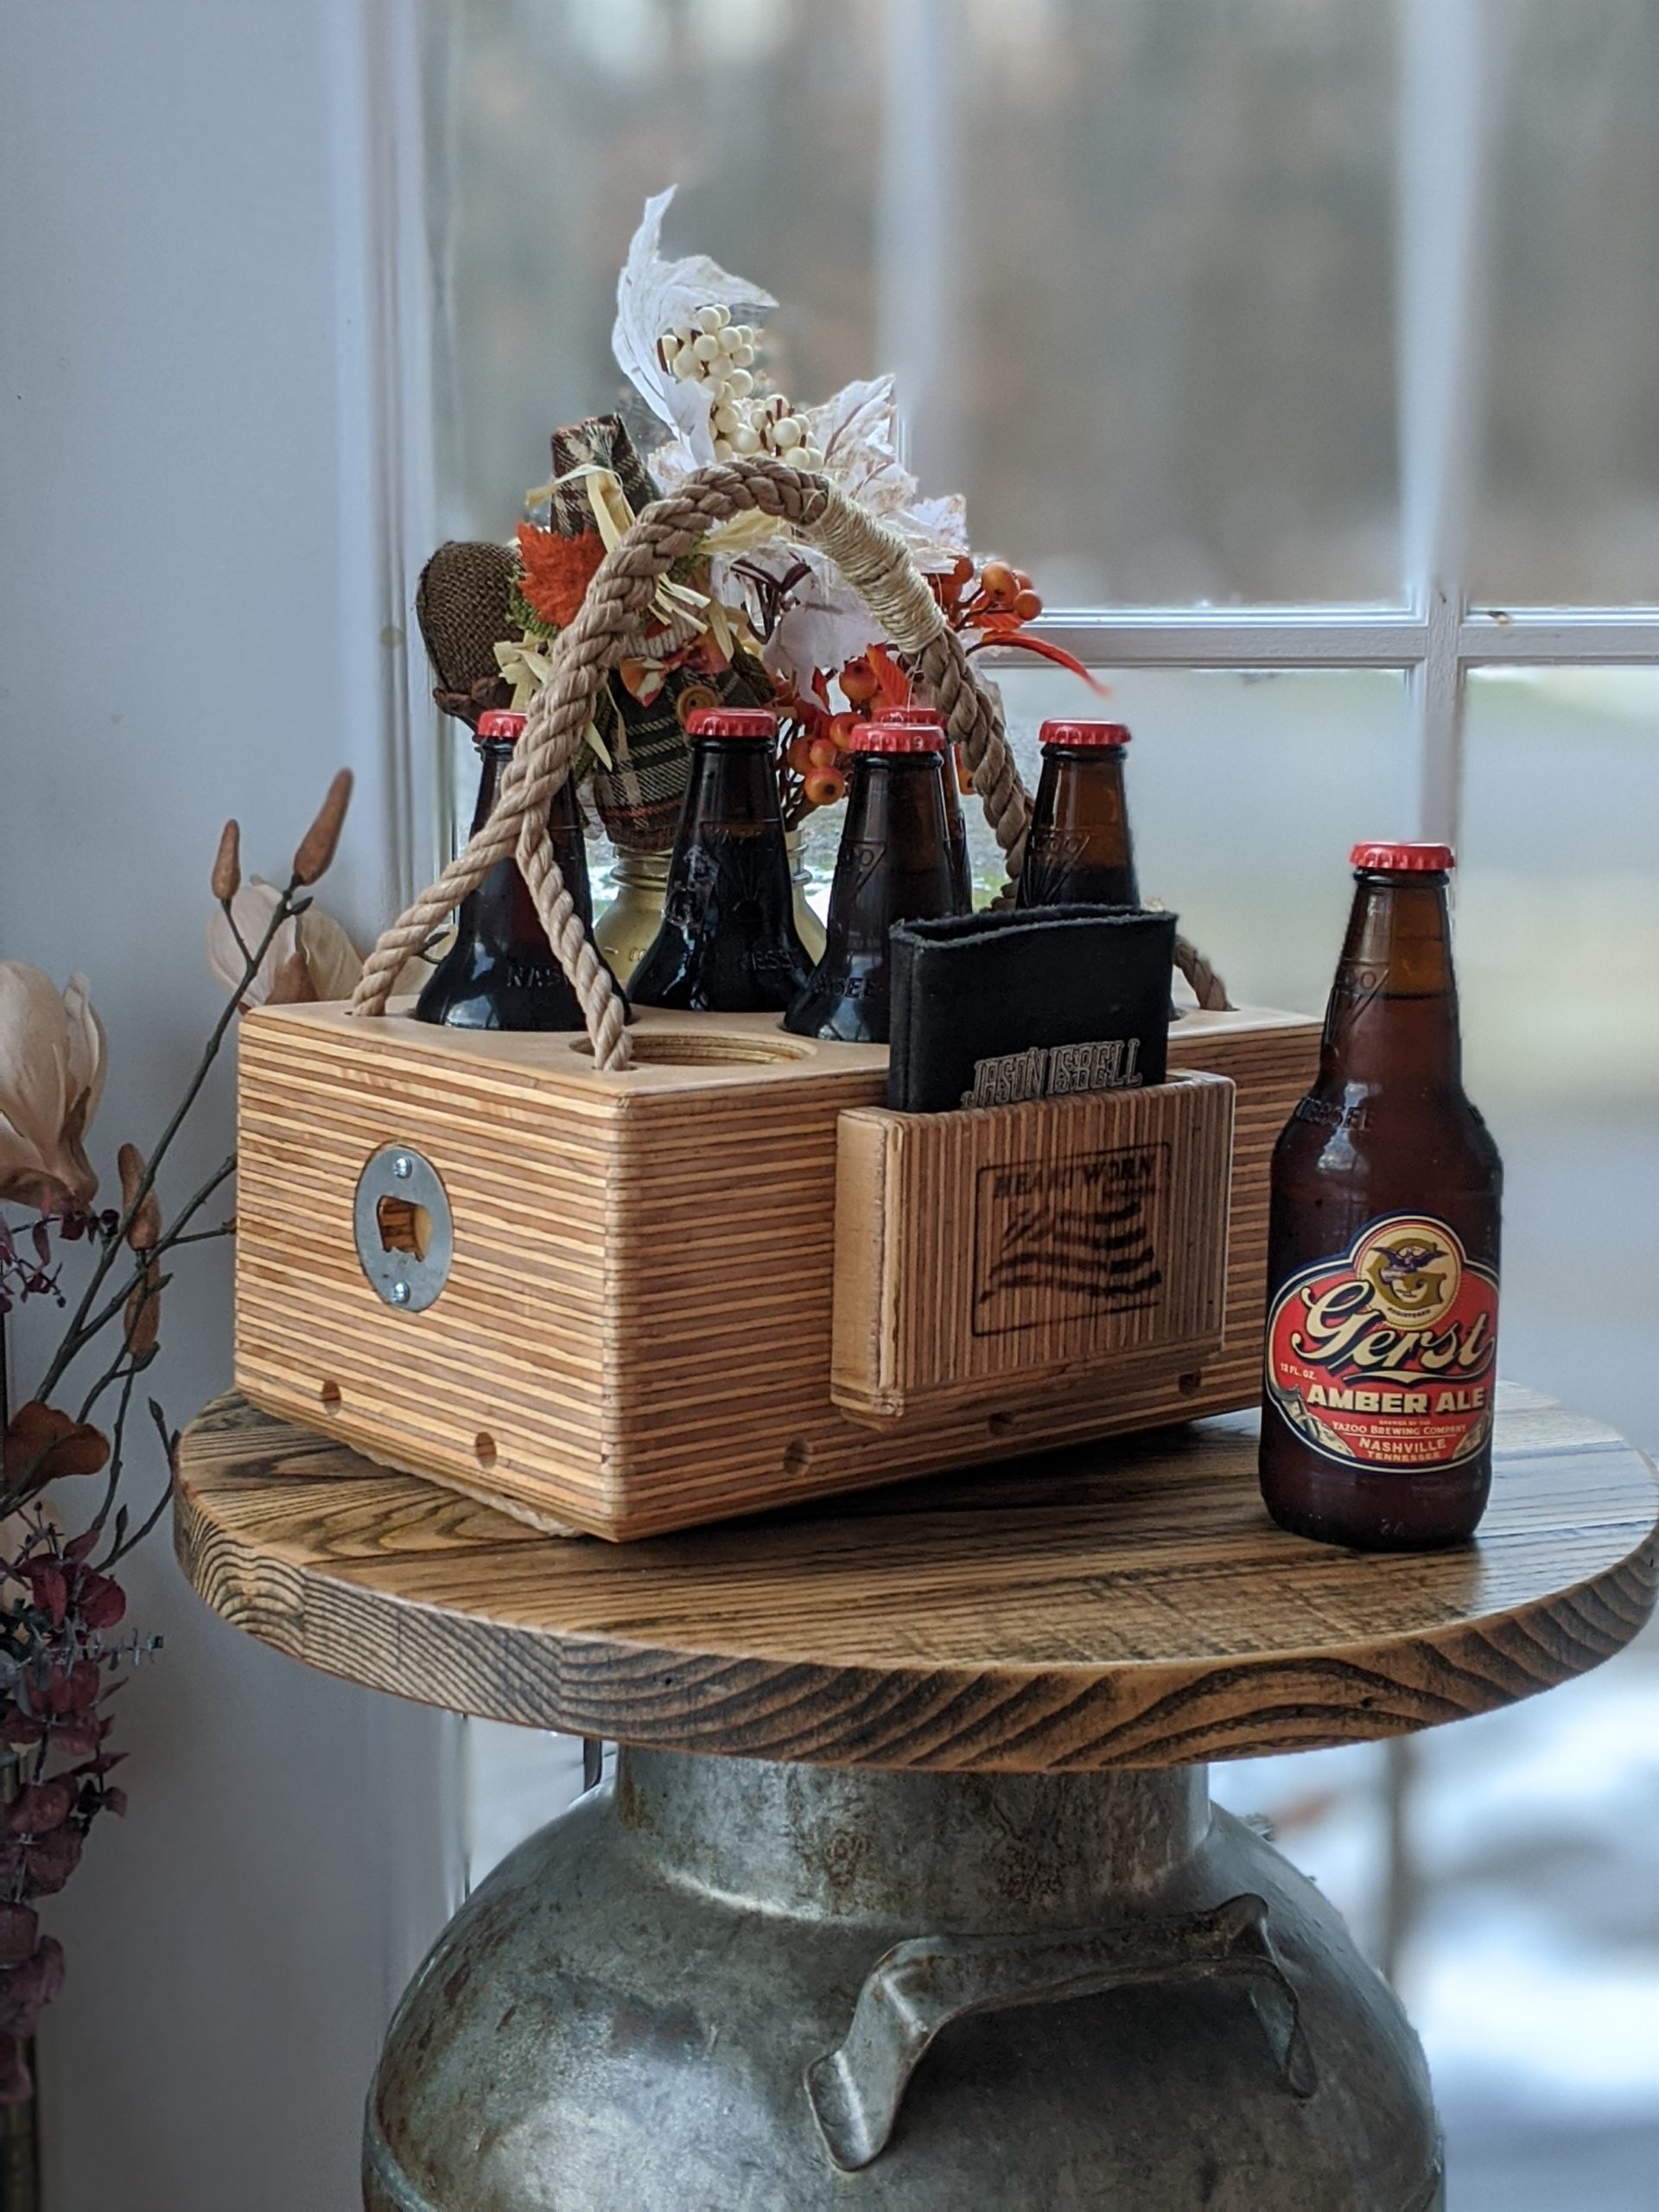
726,1986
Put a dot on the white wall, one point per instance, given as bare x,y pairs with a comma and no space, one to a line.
190,627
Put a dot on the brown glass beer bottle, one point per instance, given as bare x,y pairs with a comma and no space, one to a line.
500,972
894,865
727,943
1079,848
956,827
1382,1251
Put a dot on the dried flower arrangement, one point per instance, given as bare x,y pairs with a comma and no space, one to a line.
754,616
61,1603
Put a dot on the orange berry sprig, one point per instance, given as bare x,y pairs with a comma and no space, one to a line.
813,736
991,606
809,774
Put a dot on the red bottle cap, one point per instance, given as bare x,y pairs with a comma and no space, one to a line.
1405,860
898,737
1083,734
758,724
915,717
501,723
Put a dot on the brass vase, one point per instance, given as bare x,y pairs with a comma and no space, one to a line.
625,931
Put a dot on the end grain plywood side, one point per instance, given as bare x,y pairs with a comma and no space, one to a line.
515,1348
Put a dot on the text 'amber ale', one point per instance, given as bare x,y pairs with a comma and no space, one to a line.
1382,1249
893,865
727,943
1079,850
500,972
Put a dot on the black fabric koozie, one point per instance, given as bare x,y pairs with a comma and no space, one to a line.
992,1008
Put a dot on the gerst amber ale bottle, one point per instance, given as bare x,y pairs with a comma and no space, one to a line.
893,865
1382,1249
1079,849
727,943
500,972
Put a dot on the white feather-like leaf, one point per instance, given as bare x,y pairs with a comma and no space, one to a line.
825,623
654,295
857,432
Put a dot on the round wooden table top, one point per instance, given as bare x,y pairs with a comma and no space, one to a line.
1126,1603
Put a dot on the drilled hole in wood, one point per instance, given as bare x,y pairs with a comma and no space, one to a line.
691,1050
1188,1384
403,1226
484,1449
797,1455
329,1394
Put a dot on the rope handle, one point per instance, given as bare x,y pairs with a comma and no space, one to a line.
873,558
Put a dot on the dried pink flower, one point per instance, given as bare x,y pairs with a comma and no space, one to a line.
51,1054
331,961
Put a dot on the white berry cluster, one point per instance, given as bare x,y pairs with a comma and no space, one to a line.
719,353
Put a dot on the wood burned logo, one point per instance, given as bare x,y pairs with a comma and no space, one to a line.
1385,1355
1065,1239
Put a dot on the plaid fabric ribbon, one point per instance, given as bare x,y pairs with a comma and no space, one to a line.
638,796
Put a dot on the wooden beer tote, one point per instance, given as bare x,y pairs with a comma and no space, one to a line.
606,1282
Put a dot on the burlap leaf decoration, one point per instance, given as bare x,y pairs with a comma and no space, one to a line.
464,606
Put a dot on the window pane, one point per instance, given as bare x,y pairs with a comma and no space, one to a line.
1558,948
1246,793
1132,263
1570,512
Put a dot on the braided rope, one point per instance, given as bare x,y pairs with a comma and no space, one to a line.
874,559
1207,986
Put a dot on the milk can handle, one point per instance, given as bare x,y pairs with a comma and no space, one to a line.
873,558
919,1988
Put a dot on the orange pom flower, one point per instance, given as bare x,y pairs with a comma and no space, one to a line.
556,571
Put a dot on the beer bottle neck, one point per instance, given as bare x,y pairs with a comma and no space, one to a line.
499,912
1089,787
1080,846
492,759
1393,1013
733,787
893,863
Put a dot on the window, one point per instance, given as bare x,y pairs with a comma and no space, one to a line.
1302,350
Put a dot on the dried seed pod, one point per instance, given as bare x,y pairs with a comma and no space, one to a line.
228,863
145,1227
316,849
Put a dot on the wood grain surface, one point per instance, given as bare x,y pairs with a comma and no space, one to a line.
1118,1604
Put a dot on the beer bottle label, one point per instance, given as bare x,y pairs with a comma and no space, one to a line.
1385,1355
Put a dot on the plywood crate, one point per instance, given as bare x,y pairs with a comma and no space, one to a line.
619,1290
